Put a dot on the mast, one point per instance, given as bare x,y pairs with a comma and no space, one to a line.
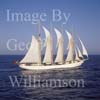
60,45
48,58
39,40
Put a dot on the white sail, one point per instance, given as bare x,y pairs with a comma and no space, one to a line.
60,45
34,53
48,58
77,55
70,56
79,52
83,48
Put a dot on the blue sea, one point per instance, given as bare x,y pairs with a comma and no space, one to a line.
89,72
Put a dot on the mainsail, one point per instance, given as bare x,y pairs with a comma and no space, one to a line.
60,45
48,58
34,53
71,46
83,48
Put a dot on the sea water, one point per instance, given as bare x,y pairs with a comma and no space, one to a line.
18,84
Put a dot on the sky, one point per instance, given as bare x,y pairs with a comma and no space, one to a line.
80,17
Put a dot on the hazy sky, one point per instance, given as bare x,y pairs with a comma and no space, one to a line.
83,20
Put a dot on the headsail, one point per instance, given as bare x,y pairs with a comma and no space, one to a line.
76,55
79,53
83,48
48,58
60,45
34,53
71,47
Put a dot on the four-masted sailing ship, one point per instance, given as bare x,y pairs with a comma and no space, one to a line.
33,58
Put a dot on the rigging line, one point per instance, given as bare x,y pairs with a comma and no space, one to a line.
51,31
39,27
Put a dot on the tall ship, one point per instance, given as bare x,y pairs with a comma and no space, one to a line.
33,58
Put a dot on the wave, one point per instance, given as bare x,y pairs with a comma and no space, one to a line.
9,70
